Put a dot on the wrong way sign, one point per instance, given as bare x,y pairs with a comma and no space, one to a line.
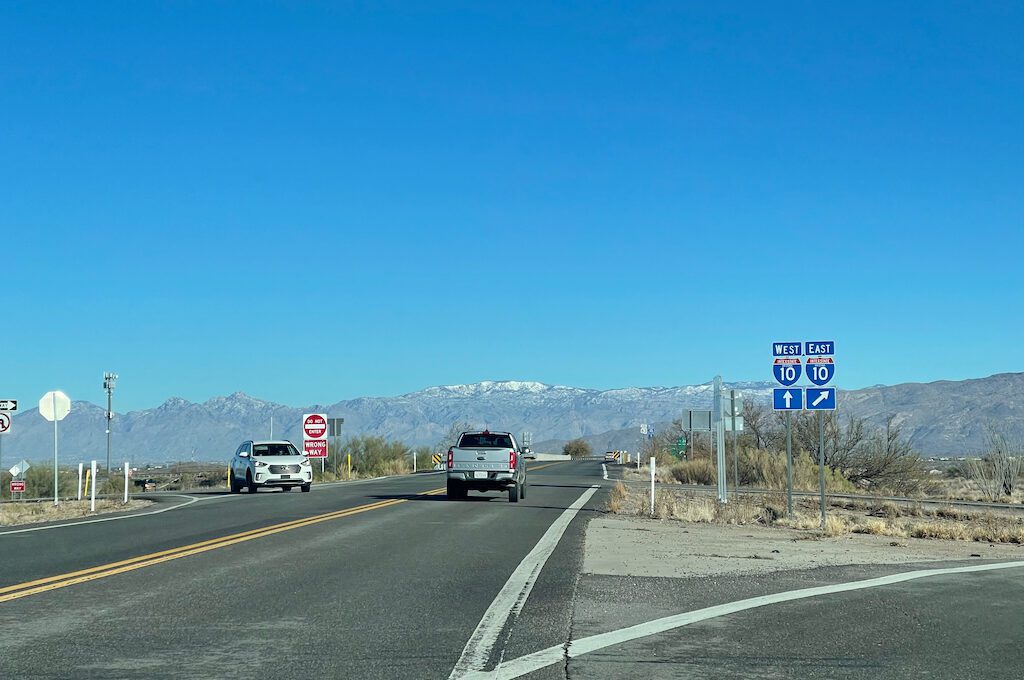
314,435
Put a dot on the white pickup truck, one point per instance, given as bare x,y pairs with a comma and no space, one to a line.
487,461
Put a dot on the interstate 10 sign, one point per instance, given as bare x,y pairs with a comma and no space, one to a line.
787,370
820,370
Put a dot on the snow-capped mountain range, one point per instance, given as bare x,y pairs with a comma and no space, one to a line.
943,417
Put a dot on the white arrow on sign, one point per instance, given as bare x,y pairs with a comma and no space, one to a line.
822,396
8,404
787,397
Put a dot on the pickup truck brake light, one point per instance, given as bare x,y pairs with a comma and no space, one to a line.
451,459
512,460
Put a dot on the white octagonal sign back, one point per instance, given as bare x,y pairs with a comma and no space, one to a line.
54,405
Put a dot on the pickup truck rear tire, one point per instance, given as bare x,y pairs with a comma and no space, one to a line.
513,493
522,491
456,490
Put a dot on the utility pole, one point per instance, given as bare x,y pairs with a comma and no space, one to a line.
109,380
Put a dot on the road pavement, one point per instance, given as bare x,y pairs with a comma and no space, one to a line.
389,579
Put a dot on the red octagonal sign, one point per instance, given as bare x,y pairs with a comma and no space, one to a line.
314,426
314,435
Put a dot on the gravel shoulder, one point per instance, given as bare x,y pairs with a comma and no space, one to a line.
641,547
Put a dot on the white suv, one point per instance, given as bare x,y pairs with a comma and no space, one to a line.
277,464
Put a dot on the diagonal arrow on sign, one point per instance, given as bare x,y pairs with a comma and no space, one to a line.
822,396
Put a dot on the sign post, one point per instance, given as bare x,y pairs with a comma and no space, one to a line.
334,431
55,406
92,491
314,437
5,426
820,371
719,439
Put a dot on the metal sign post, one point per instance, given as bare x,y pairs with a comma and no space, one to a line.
5,426
789,463
719,428
820,371
735,405
334,430
55,406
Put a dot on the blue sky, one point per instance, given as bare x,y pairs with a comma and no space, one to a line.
315,201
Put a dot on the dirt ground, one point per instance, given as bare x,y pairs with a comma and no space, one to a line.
29,513
636,546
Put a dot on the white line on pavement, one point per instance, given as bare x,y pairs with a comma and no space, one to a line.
552,655
513,595
192,499
604,470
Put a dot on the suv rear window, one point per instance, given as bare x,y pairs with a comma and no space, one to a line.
274,450
479,440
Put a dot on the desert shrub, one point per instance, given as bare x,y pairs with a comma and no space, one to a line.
577,448
766,469
377,456
701,471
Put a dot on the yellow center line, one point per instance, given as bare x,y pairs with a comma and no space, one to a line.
102,571
546,465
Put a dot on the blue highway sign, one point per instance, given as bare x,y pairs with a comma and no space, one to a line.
821,399
786,349
820,370
787,370
819,348
784,399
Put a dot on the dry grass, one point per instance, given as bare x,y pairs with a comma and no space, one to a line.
880,519
836,525
617,500
28,513
700,471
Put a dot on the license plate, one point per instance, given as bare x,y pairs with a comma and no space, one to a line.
286,476
479,474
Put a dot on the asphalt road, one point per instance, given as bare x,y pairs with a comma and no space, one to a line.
395,590
389,579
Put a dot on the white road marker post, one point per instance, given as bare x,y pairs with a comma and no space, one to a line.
92,491
653,461
126,482
80,481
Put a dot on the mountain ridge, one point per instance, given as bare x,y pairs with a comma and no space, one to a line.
941,417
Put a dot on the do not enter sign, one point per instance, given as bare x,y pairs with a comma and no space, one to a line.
314,435
314,426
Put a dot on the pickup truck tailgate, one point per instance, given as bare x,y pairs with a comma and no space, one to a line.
470,459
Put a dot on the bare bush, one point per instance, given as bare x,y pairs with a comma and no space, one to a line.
577,448
996,474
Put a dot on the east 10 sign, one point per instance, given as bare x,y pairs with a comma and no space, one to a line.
820,370
787,370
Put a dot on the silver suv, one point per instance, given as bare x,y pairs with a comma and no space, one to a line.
279,464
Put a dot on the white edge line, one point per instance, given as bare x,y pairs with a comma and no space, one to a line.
604,470
192,499
513,595
552,655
